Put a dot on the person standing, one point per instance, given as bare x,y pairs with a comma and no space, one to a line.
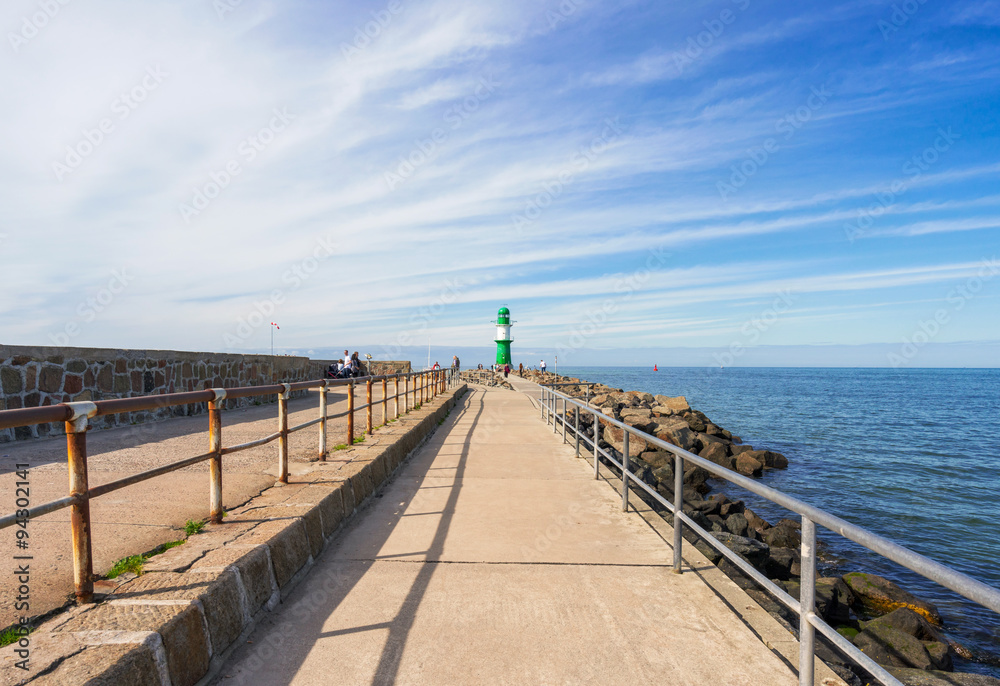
506,370
520,370
355,364
541,365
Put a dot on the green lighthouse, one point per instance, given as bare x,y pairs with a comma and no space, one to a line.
503,338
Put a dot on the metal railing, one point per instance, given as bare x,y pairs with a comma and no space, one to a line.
805,607
479,376
418,387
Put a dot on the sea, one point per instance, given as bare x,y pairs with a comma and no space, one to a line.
910,454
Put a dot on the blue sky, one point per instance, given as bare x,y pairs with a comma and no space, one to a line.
760,183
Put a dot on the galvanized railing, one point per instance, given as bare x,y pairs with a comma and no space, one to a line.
479,376
805,607
418,387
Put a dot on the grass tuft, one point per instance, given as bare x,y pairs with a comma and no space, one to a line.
133,563
12,634
192,527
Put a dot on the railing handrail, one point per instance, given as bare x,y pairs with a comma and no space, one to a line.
973,589
427,385
29,416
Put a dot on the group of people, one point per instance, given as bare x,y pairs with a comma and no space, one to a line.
348,368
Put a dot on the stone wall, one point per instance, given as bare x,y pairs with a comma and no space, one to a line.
33,376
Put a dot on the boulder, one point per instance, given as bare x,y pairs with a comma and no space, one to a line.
906,620
704,440
657,458
730,506
754,552
782,536
718,523
890,646
736,524
737,449
677,405
748,466
769,458
713,430
779,563
756,522
681,437
879,596
717,453
918,677
833,600
696,477
694,421
634,416
615,437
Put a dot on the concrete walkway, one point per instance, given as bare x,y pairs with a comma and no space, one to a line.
495,557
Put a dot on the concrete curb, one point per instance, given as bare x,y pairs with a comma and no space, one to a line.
177,623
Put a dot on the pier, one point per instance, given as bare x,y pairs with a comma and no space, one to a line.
494,556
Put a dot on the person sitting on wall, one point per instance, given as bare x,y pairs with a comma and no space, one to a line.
355,364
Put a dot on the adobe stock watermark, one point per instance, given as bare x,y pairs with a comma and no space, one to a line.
32,24
566,9
247,151
93,305
422,317
424,148
912,170
263,310
370,30
697,44
928,329
900,17
753,328
122,107
578,163
757,157
597,318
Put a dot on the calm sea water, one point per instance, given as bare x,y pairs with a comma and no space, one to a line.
913,455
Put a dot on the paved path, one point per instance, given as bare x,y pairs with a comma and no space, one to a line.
495,557
140,517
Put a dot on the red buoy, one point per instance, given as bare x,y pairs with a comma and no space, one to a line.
655,369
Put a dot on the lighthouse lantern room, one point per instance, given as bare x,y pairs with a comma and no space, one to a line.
503,339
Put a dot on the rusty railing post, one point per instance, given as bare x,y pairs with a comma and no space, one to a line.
350,414
395,396
322,422
368,386
385,401
283,430
215,462
76,451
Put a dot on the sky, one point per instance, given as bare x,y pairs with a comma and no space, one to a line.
733,182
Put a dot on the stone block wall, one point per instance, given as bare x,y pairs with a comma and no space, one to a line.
34,376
